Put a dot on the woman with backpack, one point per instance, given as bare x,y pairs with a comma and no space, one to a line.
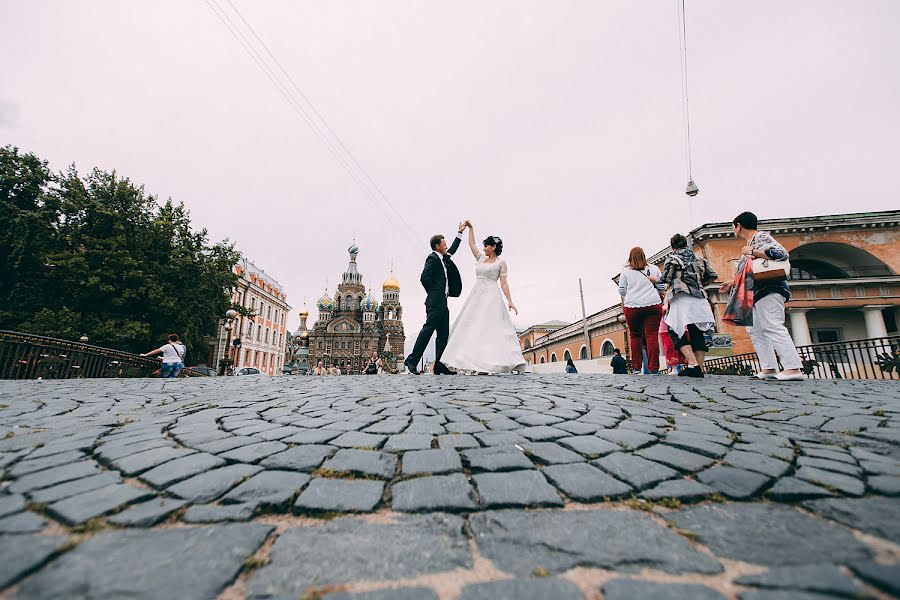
172,357
689,315
640,287
374,367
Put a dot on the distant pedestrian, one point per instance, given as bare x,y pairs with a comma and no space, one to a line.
372,368
319,369
172,357
570,366
689,315
618,364
769,335
640,287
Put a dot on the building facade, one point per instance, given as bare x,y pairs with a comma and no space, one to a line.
261,337
844,286
352,325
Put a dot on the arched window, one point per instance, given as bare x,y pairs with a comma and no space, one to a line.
527,344
553,357
607,348
348,302
542,360
583,355
566,356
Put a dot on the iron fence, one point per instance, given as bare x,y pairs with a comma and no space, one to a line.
874,358
26,356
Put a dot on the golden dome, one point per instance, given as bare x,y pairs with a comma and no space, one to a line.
391,284
304,312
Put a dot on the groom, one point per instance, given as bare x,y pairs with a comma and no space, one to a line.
441,280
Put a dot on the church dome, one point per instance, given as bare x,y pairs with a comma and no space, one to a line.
304,312
325,302
391,284
369,304
353,249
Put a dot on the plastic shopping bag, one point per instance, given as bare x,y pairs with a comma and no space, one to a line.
739,310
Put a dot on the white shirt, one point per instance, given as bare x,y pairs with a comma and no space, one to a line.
636,289
170,356
441,258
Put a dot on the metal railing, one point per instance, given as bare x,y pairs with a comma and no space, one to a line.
26,356
799,273
874,358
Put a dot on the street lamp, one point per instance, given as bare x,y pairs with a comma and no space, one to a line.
230,316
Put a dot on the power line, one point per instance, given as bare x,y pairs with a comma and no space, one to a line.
381,203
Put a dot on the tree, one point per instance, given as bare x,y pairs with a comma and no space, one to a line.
99,256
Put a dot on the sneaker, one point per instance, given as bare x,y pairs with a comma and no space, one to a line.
791,377
763,376
695,372
638,372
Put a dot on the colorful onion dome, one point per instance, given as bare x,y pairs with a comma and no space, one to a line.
370,304
325,302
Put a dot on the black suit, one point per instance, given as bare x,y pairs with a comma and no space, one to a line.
437,315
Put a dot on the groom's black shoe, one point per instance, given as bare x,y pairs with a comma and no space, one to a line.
441,369
411,367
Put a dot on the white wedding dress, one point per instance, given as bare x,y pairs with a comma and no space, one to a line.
483,339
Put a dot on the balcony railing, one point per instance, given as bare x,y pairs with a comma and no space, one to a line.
875,358
26,356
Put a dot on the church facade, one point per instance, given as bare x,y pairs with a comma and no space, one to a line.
352,324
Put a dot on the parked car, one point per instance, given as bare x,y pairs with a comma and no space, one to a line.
248,371
208,371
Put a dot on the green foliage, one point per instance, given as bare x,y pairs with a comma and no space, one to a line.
98,256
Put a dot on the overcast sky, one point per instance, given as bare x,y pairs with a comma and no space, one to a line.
555,125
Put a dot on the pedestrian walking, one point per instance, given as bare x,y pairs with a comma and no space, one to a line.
372,368
689,316
769,335
173,352
570,366
618,364
640,288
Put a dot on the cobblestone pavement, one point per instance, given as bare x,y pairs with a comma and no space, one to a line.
464,487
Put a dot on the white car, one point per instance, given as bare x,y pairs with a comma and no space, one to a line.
248,371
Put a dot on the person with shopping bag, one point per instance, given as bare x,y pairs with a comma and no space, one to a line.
765,262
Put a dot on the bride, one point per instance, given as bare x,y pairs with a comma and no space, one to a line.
483,338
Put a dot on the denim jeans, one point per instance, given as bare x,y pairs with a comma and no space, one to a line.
170,370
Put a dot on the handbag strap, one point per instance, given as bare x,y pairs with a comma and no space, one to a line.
177,353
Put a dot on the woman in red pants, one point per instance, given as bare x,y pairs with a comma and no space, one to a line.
640,290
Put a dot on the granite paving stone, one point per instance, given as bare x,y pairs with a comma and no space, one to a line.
21,555
356,439
752,461
457,441
196,562
771,535
824,578
676,458
694,443
362,462
790,489
889,485
830,465
631,589
312,436
180,469
87,505
522,589
634,470
845,484
408,593
306,457
339,495
549,453
884,577
212,484
268,488
734,483
630,440
496,458
589,445
438,493
683,490
147,514
783,595
38,464
515,488
542,433
53,476
499,438
221,513
430,462
875,515
22,522
584,483
226,444
11,503
407,441
253,453
519,541
347,550
135,464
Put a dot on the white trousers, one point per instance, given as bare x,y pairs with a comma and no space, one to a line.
770,336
